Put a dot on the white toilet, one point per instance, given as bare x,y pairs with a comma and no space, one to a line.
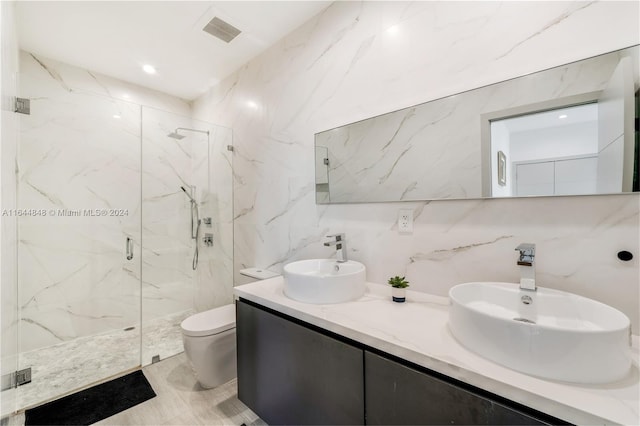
209,339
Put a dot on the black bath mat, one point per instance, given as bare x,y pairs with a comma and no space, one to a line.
93,404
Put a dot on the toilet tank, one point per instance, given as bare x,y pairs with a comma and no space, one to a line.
250,275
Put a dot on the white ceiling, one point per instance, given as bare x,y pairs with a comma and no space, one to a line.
117,37
552,118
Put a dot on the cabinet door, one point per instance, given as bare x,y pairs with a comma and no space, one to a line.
399,395
289,374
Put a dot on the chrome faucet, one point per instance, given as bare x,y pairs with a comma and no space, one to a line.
341,246
527,267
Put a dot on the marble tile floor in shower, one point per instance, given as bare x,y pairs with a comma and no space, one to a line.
180,400
60,369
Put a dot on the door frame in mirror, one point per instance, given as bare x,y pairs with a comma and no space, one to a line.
487,118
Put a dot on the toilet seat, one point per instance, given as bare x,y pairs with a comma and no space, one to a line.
213,321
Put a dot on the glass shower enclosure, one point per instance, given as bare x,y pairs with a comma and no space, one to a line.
123,227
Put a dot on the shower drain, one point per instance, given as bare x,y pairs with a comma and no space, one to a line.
524,320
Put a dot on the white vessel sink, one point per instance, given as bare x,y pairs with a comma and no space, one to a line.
558,335
323,281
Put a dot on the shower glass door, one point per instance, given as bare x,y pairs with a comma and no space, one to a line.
186,197
114,201
79,258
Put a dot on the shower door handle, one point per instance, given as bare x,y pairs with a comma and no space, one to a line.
129,248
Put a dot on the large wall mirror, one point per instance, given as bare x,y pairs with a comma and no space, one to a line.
568,130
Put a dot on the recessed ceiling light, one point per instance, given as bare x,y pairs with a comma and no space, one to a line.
117,116
393,29
149,69
562,116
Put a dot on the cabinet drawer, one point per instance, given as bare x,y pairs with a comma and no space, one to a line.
290,374
400,395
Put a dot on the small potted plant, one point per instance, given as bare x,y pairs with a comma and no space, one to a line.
398,292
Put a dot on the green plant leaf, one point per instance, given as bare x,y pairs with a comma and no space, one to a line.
398,282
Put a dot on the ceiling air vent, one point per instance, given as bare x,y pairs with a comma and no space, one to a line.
224,31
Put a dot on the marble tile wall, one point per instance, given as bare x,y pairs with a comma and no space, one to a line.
360,59
167,244
75,155
80,149
167,278
9,131
214,276
168,281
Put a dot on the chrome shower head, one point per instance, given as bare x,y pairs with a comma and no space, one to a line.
188,195
176,135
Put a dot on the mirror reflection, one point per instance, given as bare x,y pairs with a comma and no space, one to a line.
568,130
547,153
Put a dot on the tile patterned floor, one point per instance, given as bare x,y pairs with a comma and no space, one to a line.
180,401
63,368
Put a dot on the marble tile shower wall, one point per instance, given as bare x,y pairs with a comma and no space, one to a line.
75,154
343,66
215,270
169,282
167,278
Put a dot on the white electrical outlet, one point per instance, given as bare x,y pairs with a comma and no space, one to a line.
405,221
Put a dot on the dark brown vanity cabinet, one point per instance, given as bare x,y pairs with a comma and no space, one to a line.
290,372
400,395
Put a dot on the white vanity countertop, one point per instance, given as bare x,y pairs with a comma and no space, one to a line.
417,332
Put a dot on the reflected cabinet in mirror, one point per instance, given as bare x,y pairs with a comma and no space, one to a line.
568,130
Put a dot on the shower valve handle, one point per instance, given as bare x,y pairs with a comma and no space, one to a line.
129,248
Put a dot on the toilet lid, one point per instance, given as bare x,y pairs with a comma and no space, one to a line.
210,322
